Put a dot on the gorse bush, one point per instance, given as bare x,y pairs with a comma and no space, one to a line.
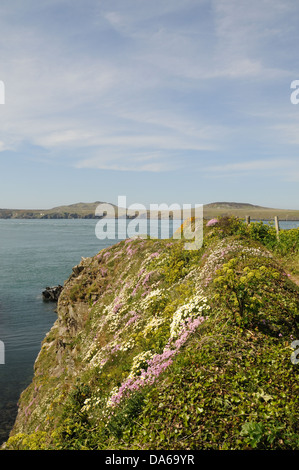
178,262
265,233
256,294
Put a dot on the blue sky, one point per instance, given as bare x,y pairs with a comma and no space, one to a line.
163,101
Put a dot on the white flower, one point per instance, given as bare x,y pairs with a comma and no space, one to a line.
139,362
192,309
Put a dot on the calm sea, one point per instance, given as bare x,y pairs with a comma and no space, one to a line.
35,254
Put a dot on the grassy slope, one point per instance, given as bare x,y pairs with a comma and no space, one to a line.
242,210
119,371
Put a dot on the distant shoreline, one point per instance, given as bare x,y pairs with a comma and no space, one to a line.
205,217
89,211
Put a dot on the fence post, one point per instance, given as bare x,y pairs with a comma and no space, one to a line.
276,226
247,218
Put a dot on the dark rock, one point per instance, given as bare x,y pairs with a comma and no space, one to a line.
52,293
77,270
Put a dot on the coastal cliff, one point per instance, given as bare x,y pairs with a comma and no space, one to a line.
158,347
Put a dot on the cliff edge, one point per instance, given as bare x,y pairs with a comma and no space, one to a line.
158,347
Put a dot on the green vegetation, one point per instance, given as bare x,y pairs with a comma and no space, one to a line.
157,347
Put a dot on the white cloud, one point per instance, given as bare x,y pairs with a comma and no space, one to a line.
251,165
154,162
286,169
140,92
289,133
245,32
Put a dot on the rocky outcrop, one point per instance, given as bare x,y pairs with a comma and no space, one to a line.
51,294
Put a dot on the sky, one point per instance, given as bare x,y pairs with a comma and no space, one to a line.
160,101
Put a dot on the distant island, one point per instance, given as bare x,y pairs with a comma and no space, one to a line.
88,211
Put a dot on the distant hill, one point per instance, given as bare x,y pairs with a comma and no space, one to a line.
79,210
233,205
88,211
243,209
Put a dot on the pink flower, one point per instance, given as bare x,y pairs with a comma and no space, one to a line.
132,319
157,364
212,222
117,307
115,348
147,277
131,252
